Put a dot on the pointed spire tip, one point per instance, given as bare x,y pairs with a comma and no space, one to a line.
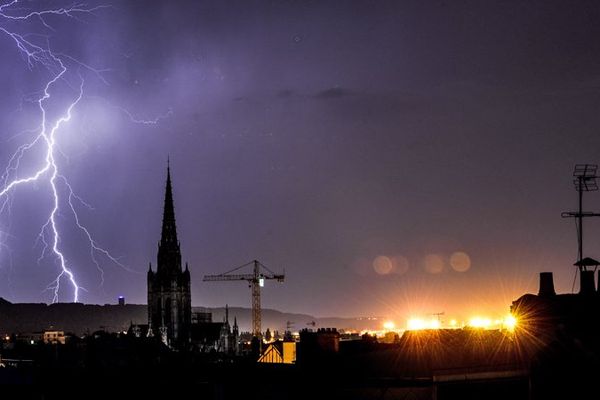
169,231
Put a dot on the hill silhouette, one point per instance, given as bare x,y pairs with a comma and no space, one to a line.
81,318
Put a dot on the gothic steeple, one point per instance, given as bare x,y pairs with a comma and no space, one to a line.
169,230
236,331
169,298
169,255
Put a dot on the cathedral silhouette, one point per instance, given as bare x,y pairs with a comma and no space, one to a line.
169,299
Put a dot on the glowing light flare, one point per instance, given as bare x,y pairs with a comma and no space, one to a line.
389,325
416,324
479,322
510,322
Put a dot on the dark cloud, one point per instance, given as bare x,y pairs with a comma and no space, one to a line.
285,93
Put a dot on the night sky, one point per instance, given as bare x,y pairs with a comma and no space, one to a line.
319,137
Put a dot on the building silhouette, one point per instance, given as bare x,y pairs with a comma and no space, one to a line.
169,299
229,340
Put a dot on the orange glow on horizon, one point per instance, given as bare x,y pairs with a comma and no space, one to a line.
389,325
507,322
479,322
415,324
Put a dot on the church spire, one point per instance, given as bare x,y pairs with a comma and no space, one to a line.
169,255
169,297
169,229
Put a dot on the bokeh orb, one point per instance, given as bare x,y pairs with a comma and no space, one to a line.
382,265
460,261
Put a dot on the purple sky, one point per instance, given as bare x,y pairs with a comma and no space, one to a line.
314,136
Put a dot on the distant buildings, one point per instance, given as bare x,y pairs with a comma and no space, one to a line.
229,338
54,337
317,345
208,336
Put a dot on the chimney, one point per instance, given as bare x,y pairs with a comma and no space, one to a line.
587,283
547,284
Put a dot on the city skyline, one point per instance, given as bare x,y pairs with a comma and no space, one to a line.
393,158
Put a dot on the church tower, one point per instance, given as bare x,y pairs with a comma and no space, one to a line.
169,300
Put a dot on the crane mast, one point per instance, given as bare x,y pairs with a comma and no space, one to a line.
256,280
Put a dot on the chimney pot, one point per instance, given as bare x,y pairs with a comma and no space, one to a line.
546,284
587,285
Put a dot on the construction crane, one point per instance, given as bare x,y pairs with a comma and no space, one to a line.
256,280
438,315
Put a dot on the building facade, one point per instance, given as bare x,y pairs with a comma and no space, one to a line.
169,299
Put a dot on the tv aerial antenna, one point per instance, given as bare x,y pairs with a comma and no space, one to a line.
585,181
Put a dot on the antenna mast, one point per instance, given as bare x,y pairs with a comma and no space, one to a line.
585,181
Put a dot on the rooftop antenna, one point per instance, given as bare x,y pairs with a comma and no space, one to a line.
585,181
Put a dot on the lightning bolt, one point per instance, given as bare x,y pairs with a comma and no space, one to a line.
63,69
154,121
